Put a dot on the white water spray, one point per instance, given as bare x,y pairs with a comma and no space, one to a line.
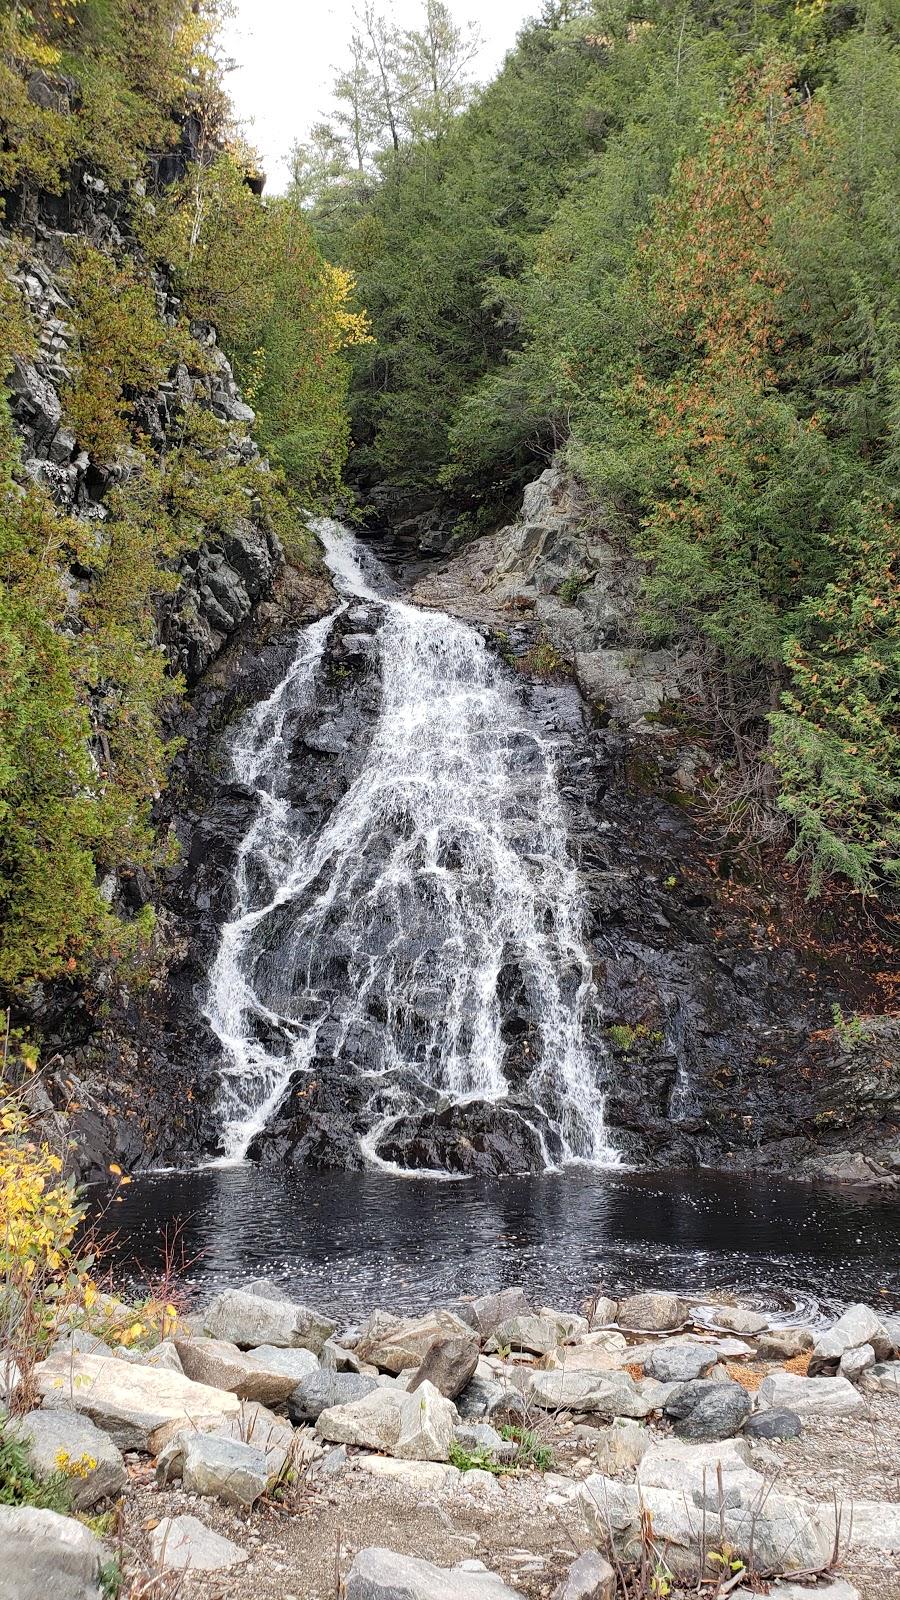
441,875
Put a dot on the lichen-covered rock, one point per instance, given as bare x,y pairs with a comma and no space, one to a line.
249,1319
45,1555
64,1441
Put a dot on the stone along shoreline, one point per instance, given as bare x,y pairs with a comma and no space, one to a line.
486,1449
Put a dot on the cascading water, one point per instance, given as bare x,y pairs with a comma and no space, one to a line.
439,883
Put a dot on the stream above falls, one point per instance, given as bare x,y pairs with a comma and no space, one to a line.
350,1241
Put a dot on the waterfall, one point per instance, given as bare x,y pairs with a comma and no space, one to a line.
440,877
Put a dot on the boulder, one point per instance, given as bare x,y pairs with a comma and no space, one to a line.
589,1578
249,1318
780,1424
222,1365
133,1404
335,1357
854,1363
492,1309
570,1324
492,1402
185,1542
621,1446
858,1325
680,1363
610,1394
76,1341
46,1555
417,1427
736,1319
786,1533
600,1312
587,1358
811,1397
448,1364
394,1343
252,1425
718,1414
298,1364
538,1334
379,1574
64,1441
783,1344
323,1390
228,1469
885,1375
477,1480
651,1313
689,1468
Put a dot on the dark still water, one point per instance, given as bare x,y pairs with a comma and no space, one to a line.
351,1241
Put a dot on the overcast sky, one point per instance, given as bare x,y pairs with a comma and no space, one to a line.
287,51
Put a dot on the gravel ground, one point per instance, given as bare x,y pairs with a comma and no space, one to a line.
299,1553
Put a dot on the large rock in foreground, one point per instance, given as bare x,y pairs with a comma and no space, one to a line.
139,1407
222,1365
48,1557
811,1397
63,1440
379,1574
413,1427
609,1394
178,1543
395,1343
258,1316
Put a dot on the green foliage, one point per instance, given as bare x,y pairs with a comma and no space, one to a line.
283,314
478,1460
532,1451
668,241
850,1030
20,1487
123,348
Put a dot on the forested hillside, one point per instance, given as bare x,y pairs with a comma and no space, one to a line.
665,241
131,224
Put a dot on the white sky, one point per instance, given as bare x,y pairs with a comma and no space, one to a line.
287,52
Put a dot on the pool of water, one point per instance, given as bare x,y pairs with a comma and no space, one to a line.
350,1241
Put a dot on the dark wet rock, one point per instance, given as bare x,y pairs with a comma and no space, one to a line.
323,1390
719,1413
780,1424
448,1364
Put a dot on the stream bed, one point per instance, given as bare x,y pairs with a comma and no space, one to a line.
350,1241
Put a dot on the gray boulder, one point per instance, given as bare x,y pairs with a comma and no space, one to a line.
651,1313
621,1445
718,1414
94,1466
228,1469
249,1319
297,1364
492,1309
222,1365
253,1425
536,1334
163,1356
680,1363
589,1578
394,1344
854,1363
178,1543
783,1344
140,1407
413,1427
481,1436
609,1394
858,1325
324,1389
379,1574
736,1319
885,1375
781,1424
448,1364
48,1557
811,1397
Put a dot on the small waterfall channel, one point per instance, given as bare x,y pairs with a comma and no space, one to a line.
440,879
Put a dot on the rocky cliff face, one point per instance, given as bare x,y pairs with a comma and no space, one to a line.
103,1059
